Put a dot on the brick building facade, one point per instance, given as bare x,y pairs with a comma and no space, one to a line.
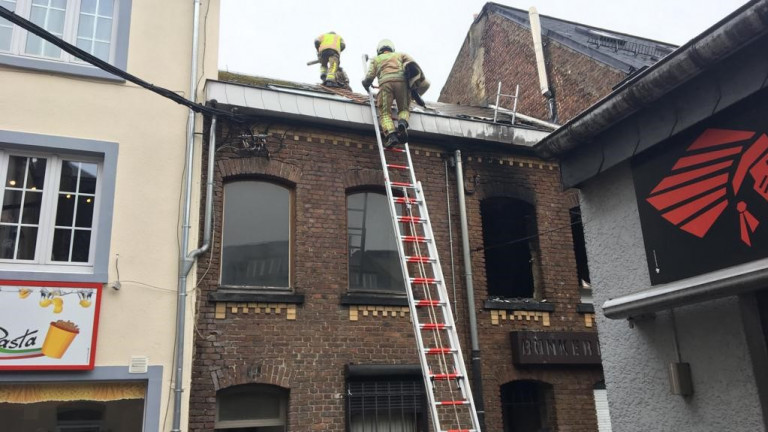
322,347
583,63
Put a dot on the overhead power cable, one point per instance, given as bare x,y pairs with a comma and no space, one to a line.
101,64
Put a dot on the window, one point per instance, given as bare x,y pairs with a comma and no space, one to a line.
580,249
386,406
55,207
256,249
511,247
601,408
252,408
528,406
374,264
99,27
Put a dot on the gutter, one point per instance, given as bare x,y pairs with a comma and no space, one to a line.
341,112
704,51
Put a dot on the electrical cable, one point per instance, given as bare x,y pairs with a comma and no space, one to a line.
101,64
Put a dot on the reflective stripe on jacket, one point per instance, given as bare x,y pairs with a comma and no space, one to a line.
388,66
329,41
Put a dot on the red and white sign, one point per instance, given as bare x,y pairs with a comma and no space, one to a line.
48,325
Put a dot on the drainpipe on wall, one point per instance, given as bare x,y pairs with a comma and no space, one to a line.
186,261
477,374
541,66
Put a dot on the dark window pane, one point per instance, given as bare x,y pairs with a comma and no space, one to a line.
256,235
11,206
61,239
27,243
88,173
17,165
81,246
65,210
374,264
84,212
68,181
36,173
7,241
32,204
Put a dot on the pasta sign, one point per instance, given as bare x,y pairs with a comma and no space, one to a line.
48,325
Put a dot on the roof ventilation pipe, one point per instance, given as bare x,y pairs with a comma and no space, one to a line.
541,66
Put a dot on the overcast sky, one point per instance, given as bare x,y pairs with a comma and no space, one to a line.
275,38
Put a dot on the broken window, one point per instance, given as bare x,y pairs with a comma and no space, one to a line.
511,247
580,250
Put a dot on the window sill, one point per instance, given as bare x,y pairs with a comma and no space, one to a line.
585,308
355,299
519,305
65,68
260,297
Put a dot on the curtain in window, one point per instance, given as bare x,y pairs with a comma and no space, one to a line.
33,392
385,423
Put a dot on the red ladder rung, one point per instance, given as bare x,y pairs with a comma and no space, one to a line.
414,239
454,402
414,219
419,259
433,326
401,184
436,351
424,280
444,376
427,303
394,149
405,200
394,166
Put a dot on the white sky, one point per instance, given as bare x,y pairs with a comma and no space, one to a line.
275,38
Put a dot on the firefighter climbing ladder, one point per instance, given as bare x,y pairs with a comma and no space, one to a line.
451,405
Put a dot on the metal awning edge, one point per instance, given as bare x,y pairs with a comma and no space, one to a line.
358,116
710,286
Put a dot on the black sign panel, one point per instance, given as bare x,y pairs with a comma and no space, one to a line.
538,347
703,195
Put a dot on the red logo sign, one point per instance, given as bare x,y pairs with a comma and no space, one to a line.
707,181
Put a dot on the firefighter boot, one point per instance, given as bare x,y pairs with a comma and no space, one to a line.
391,140
402,130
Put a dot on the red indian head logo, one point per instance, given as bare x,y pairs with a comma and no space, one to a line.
696,192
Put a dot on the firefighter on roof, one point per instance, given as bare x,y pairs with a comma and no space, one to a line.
400,78
329,47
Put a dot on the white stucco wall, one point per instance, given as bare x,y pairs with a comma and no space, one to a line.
150,130
710,334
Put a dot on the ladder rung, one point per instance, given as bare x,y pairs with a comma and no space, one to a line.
427,303
419,259
401,184
424,280
460,430
445,376
394,166
394,149
436,351
453,402
405,200
414,239
434,326
414,219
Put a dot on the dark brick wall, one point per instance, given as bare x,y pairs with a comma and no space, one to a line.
497,49
307,355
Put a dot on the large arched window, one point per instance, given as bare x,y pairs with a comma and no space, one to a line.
252,408
256,236
374,265
511,247
528,406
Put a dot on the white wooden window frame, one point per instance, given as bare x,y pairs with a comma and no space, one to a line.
44,244
17,56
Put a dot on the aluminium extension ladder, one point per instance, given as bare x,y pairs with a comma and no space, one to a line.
446,383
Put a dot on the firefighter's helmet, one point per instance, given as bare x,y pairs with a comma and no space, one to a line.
385,44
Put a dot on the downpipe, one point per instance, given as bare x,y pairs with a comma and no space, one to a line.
477,373
186,261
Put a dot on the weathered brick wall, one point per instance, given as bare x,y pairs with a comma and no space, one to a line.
497,49
305,349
